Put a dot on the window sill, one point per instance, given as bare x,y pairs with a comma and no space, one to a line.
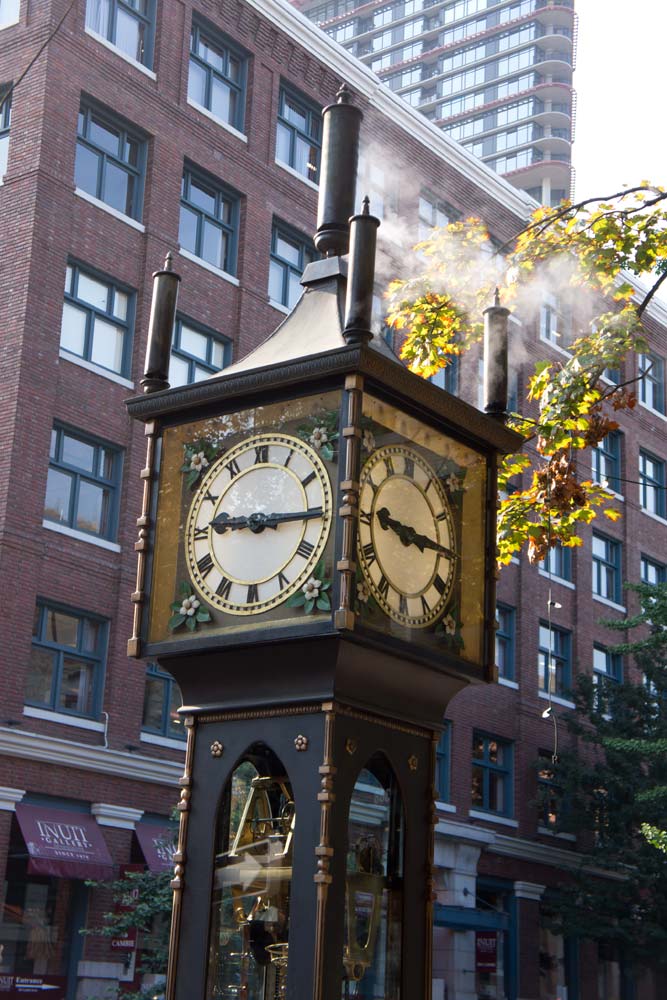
163,741
556,347
279,306
218,121
61,717
493,818
515,561
109,210
654,517
556,699
90,367
546,832
80,536
506,682
209,267
610,604
119,52
649,409
552,578
446,807
295,173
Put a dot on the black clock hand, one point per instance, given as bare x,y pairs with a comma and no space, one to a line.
408,535
258,521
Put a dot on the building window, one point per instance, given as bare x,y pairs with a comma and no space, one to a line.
506,618
554,325
549,794
110,161
652,571
554,660
217,76
652,484
209,221
298,138
607,669
66,665
448,377
290,253
606,462
606,568
196,353
9,12
443,762
491,774
96,320
558,562
432,213
83,483
5,122
162,700
652,381
127,24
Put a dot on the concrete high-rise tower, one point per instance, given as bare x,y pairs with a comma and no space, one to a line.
495,76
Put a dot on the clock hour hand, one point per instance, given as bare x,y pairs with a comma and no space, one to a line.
258,521
408,535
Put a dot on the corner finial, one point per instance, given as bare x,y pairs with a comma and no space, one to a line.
168,261
496,297
343,96
366,205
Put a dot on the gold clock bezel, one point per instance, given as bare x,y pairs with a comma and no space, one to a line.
367,533
218,602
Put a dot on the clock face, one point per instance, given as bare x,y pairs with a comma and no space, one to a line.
407,543
258,524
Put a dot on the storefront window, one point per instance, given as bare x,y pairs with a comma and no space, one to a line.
248,943
552,966
36,924
492,947
374,887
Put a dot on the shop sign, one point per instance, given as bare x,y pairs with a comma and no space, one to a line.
15,987
127,942
486,949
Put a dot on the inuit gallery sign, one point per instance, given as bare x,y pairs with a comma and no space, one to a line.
63,843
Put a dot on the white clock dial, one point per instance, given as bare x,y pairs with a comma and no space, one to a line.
407,545
258,524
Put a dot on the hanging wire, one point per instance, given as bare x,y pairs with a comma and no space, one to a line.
6,94
551,664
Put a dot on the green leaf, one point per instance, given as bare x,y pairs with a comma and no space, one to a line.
297,600
327,452
325,585
308,606
203,615
175,622
323,603
190,623
175,606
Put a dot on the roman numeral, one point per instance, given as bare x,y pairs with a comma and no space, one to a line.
211,497
442,516
233,468
383,586
439,585
369,553
308,479
253,594
305,549
429,484
372,485
390,465
426,607
409,467
403,604
261,454
282,580
289,457
365,517
205,564
223,588
200,533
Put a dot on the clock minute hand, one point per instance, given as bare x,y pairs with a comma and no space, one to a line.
424,542
258,521
408,535
272,520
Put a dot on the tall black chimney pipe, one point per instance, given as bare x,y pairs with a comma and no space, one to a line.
338,174
361,276
160,327
495,359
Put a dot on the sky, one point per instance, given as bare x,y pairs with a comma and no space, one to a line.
621,127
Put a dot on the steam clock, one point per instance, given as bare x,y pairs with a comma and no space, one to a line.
316,569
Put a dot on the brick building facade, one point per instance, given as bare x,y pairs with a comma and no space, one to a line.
194,127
